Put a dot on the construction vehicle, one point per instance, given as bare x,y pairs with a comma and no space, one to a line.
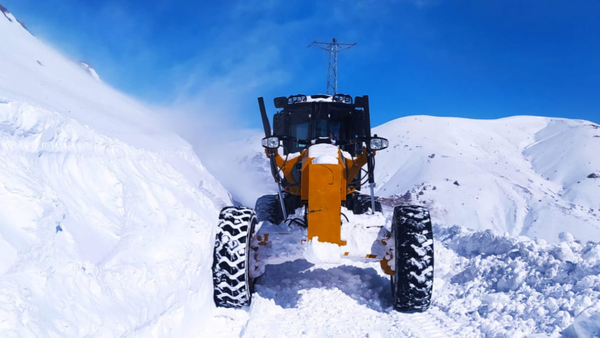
317,150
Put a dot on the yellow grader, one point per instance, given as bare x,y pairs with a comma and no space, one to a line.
318,150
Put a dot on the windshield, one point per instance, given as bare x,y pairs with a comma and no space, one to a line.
307,131
316,129
299,131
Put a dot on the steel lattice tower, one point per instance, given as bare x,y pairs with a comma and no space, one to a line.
333,48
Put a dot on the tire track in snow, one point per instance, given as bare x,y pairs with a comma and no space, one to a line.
297,299
225,323
427,325
448,325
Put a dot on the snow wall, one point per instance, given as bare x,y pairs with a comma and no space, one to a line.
105,218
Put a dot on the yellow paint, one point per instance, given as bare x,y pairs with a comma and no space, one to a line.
385,266
263,240
323,187
324,202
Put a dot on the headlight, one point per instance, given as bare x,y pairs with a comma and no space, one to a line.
379,143
270,142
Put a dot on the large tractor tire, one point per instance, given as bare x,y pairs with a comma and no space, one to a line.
412,284
268,208
231,279
361,204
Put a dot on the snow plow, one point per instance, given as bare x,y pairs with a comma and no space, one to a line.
321,155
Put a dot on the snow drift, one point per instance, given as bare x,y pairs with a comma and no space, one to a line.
105,218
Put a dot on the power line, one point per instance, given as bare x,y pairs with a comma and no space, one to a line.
333,48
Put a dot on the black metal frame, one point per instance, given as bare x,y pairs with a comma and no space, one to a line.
295,109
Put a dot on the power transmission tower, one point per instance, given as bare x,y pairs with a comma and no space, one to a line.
333,48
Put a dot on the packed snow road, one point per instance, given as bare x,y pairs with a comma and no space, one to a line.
485,285
301,299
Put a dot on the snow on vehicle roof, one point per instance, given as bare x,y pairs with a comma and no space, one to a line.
319,98
301,98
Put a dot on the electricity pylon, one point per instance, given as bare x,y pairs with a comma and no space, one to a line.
333,48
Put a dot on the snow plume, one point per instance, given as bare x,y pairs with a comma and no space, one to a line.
231,153
216,108
214,111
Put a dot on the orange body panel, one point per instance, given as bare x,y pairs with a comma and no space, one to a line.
324,187
324,202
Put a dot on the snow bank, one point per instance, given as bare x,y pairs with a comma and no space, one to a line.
105,218
98,237
514,287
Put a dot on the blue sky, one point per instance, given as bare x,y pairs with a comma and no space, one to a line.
476,59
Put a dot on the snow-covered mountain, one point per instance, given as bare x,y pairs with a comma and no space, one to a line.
105,218
524,175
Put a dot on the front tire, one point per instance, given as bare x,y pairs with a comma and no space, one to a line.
231,279
412,283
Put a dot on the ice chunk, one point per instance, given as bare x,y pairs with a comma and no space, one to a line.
584,327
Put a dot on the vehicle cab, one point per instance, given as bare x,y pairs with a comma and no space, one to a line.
303,120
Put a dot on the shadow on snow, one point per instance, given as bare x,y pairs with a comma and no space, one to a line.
283,283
